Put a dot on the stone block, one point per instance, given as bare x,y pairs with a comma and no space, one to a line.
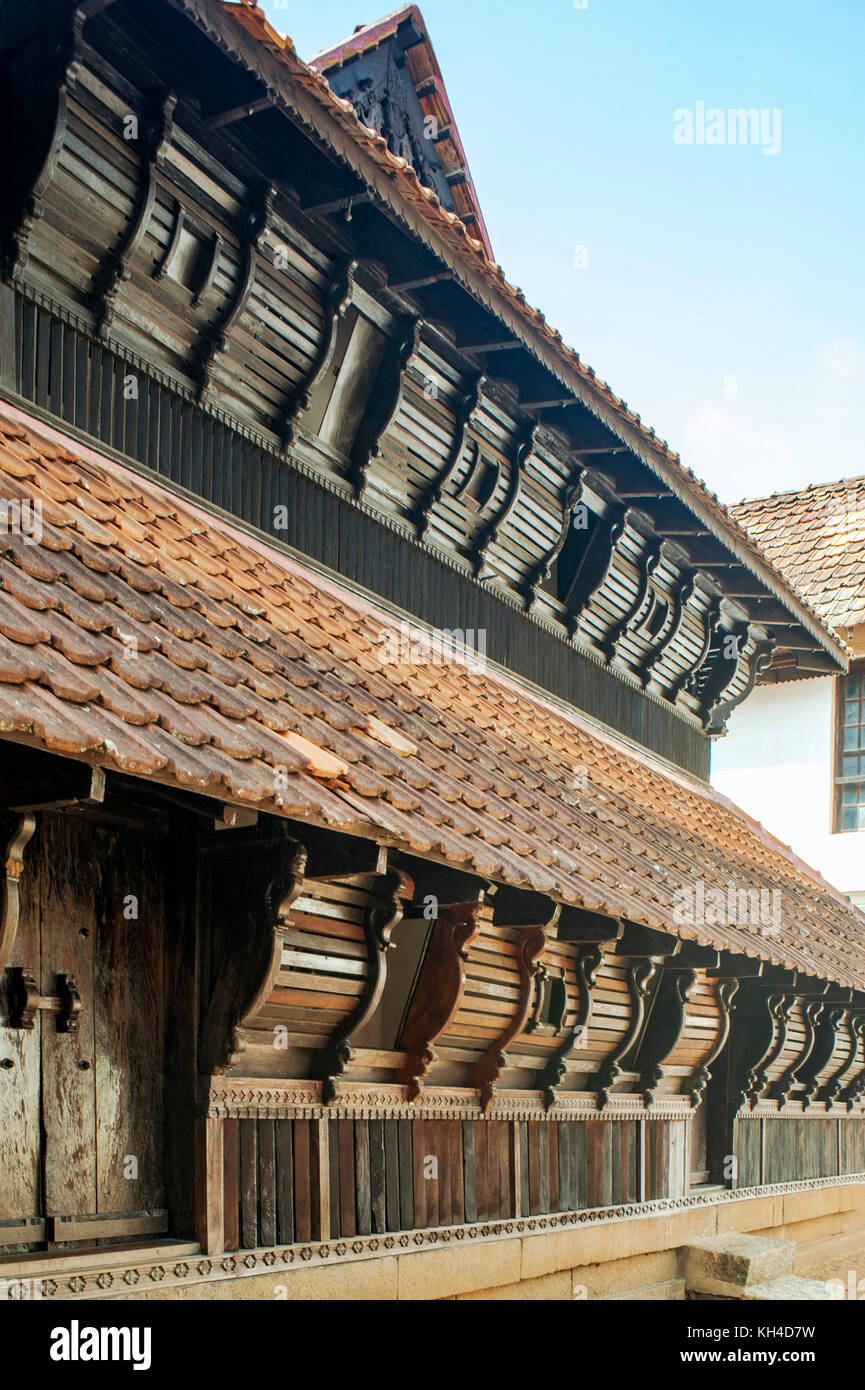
724,1265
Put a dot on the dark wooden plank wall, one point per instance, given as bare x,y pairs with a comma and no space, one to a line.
388,1175
791,1150
81,383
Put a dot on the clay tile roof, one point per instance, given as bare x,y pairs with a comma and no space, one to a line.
816,538
261,682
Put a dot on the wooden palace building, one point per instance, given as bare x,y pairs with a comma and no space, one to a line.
368,926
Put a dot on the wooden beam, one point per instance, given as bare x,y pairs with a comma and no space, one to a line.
237,113
400,286
337,205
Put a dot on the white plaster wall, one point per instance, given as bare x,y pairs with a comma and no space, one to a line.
776,762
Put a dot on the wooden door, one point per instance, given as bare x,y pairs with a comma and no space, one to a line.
81,1103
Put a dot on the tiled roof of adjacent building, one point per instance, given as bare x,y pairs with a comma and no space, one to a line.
816,538
145,634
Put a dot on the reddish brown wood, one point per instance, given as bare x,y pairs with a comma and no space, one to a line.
439,990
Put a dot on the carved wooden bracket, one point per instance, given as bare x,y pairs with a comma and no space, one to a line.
671,629
831,1089
596,565
13,868
854,1087
641,972
439,990
384,911
570,501
781,1088
384,402
525,444
432,496
486,1073
726,992
720,710
825,1042
254,892
779,1007
588,964
712,624
665,1027
213,342
115,267
339,296
649,561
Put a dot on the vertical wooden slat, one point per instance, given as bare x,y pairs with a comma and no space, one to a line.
231,1184
470,1178
285,1182
553,1128
302,1180
482,1169
432,1184
210,1187
455,1145
534,1168
516,1168
377,1176
445,1182
333,1177
506,1191
361,1170
347,1205
391,1171
419,1182
320,1179
266,1183
525,1188
406,1175
544,1168
248,1184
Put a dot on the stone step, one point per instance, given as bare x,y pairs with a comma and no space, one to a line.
723,1266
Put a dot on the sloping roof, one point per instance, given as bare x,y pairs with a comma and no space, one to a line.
426,78
451,238
144,634
816,537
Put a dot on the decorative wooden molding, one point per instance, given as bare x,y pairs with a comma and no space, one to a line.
467,405
384,402
712,623
525,444
337,301
725,994
384,911
489,1068
781,1088
641,972
439,990
115,267
825,1042
13,868
665,1027
588,964
855,1087
596,565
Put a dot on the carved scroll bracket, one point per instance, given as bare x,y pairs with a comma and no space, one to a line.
641,973
467,405
525,445
339,297
384,403
587,966
440,989
385,910
726,992
529,949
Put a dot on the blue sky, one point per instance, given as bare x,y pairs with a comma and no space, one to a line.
723,296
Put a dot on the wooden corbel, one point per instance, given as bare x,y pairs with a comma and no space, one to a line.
389,891
439,989
525,444
725,994
779,1006
338,299
595,566
665,1027
588,964
687,678
649,561
384,401
13,868
781,1088
854,1087
759,659
530,947
825,1042
543,569
467,405
641,973
831,1089
669,633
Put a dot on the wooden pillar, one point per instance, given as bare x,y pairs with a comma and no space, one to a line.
209,1186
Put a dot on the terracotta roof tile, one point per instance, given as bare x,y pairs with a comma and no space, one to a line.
294,710
816,538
